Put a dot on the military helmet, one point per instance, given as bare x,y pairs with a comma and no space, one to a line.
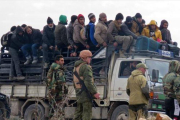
85,53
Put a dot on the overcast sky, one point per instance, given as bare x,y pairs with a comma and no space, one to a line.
35,12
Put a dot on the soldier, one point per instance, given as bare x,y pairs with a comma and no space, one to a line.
168,84
56,82
84,70
138,92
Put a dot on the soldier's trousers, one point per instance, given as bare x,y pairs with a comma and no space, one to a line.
83,111
137,111
126,41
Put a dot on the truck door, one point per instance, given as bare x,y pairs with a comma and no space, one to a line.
122,71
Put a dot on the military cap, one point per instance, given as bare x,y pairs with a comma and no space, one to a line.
141,65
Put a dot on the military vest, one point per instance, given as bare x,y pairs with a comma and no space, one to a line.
76,80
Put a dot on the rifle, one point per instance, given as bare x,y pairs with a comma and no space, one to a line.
84,88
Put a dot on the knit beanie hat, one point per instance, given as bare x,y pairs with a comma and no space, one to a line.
102,15
23,25
80,16
119,16
49,20
129,19
138,15
73,18
91,15
63,19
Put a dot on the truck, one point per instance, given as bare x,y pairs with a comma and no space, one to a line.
29,98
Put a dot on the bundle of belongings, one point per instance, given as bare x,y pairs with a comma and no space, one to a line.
145,43
158,116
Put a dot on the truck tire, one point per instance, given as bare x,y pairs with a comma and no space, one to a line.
34,112
1,115
120,113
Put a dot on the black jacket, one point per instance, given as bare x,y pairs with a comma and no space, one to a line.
17,41
126,32
35,37
48,35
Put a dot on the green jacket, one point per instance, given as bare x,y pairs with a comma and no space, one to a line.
85,71
137,88
169,78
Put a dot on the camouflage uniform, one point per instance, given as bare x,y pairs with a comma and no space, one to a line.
168,84
84,105
56,83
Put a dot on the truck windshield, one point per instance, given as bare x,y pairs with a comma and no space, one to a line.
162,66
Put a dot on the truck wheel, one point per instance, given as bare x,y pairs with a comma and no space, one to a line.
34,112
120,113
1,115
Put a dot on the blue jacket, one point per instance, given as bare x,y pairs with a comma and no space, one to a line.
91,33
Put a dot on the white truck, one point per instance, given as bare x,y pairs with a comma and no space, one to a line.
29,97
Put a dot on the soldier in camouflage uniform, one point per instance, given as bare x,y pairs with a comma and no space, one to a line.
84,70
56,83
168,84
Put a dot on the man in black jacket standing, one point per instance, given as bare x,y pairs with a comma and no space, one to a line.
17,42
48,40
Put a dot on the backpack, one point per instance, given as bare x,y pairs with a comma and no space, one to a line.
6,39
91,30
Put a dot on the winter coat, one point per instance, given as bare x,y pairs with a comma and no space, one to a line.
35,37
18,41
60,34
137,88
135,27
70,34
48,35
113,30
169,78
146,31
101,32
125,31
166,35
127,71
85,71
76,33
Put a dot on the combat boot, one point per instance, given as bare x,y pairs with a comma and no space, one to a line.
28,60
35,60
121,54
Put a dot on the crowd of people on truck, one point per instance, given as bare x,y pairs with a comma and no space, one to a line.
77,36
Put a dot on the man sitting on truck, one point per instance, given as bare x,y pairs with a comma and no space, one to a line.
56,82
138,91
127,71
113,30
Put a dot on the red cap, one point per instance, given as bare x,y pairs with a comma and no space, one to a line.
80,16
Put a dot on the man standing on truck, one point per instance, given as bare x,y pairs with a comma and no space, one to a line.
168,84
56,83
84,71
138,92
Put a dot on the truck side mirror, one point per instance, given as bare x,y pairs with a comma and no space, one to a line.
155,75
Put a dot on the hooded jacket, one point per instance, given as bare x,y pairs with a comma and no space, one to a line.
17,40
76,33
168,80
35,37
137,88
101,32
146,31
85,71
48,35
